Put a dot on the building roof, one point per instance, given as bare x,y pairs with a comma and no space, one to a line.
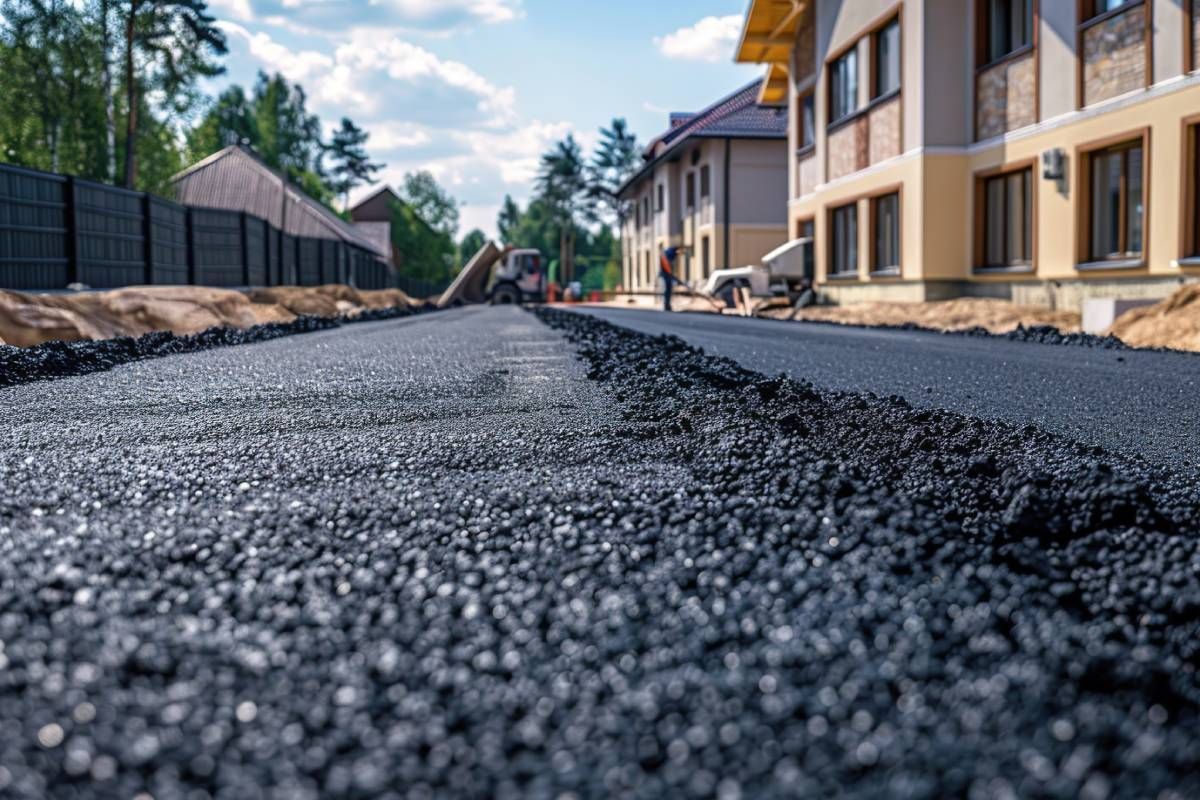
236,179
769,31
379,233
375,207
768,36
736,116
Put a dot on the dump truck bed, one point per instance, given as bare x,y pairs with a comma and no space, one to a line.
471,284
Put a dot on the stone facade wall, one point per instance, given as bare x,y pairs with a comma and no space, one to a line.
848,149
808,174
885,131
1114,56
1006,97
806,48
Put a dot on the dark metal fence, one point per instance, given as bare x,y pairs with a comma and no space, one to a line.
56,231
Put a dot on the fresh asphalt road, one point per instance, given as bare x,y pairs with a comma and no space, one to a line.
456,555
1142,403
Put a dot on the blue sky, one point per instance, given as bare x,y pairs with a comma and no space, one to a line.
475,90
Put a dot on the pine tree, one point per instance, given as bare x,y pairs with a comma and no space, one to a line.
352,166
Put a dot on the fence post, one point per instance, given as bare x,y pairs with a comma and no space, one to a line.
191,247
71,223
245,252
147,240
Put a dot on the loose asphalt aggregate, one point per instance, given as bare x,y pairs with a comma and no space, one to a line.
1129,401
477,554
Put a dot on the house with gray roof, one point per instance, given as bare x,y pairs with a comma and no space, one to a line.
714,185
236,179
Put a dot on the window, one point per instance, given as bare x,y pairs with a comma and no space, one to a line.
1007,26
646,210
843,255
705,257
1116,201
843,86
1191,227
1007,229
660,202
691,190
887,60
885,217
806,132
705,183
1094,8
807,230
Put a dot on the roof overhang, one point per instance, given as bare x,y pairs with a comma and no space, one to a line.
774,91
769,32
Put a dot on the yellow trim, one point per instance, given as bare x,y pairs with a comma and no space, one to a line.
770,31
774,91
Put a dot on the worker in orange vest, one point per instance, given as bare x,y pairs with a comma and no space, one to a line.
666,268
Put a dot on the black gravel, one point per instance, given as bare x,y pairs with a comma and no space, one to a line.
1129,401
1036,334
61,359
439,557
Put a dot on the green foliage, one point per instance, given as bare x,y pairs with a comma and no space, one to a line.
169,46
57,86
431,202
617,158
471,244
571,195
53,107
352,167
423,227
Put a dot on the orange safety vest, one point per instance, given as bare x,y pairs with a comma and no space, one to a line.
666,264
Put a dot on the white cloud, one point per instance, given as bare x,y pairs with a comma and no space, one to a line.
430,16
489,11
422,111
239,10
711,39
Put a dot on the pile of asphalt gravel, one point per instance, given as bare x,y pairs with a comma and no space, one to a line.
61,359
469,571
1037,334
932,605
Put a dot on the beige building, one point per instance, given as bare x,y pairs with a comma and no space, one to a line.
713,185
1040,150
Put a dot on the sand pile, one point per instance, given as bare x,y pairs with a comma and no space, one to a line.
328,301
27,320
996,316
1173,323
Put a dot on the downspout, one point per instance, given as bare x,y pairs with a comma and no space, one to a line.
728,170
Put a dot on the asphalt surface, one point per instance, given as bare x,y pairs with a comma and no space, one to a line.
1127,401
469,554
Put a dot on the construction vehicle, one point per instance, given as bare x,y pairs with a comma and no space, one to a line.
507,276
784,272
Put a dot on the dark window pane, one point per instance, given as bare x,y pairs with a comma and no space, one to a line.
887,55
808,121
844,93
845,240
887,232
994,253
1106,204
1135,206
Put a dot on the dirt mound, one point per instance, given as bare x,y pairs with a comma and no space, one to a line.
1174,323
27,320
994,316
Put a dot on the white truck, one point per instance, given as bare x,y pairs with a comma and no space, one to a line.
783,273
518,277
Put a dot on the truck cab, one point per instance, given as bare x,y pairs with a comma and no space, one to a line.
519,278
